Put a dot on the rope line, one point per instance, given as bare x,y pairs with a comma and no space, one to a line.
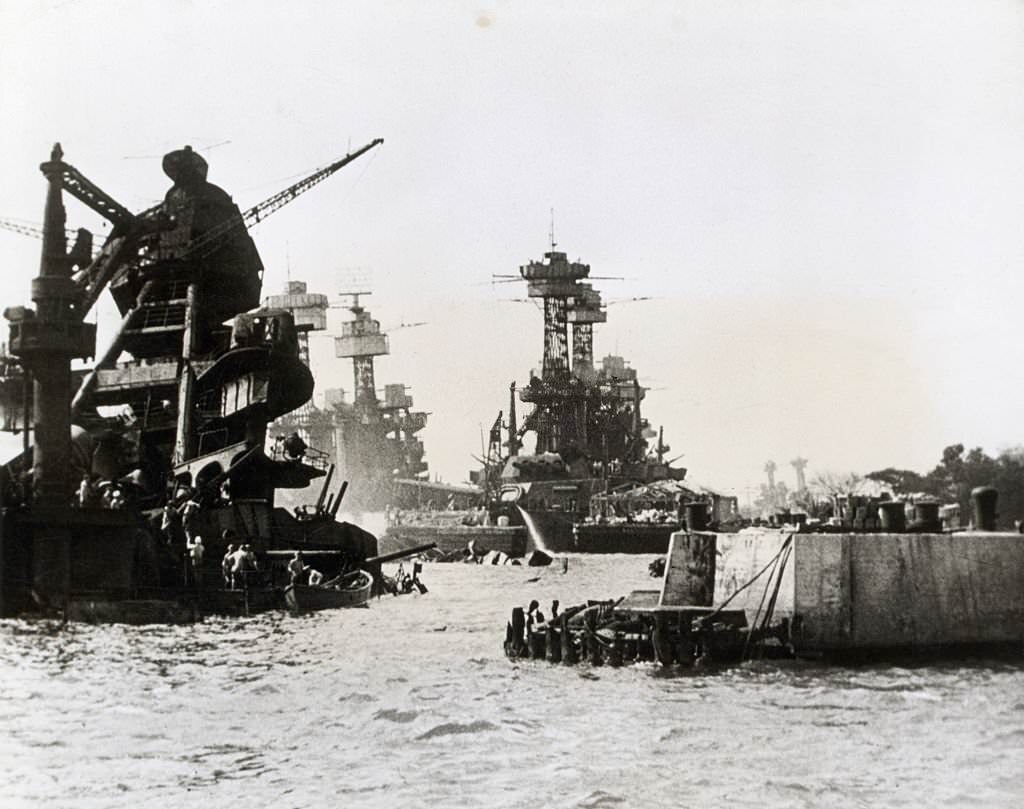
739,590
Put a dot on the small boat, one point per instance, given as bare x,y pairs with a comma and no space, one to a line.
351,590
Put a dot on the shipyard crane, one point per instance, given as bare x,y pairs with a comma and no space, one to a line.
769,469
25,229
257,213
799,464
128,238
35,231
132,240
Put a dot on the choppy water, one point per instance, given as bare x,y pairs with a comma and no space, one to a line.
411,703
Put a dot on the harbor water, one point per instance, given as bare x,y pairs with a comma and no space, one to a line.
412,703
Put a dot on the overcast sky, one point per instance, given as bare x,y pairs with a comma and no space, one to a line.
825,200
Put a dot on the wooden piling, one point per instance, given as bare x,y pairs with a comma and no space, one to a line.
538,644
554,643
517,644
593,643
569,657
685,651
615,654
662,641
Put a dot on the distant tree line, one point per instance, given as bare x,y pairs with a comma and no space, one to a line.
952,480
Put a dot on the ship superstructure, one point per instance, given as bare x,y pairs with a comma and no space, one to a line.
590,434
175,408
372,440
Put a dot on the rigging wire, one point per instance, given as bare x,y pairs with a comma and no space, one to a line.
704,618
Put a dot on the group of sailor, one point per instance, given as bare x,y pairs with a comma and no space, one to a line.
238,565
535,618
95,493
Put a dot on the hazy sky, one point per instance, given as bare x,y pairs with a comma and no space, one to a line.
824,199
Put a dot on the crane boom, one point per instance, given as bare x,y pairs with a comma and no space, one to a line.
271,204
24,230
209,240
122,247
87,192
31,230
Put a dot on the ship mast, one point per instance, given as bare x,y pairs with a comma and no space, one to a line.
513,427
46,340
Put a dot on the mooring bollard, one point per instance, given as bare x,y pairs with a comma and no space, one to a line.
984,500
569,657
926,516
696,516
893,516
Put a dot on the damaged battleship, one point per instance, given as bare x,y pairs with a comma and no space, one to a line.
591,438
164,439
371,440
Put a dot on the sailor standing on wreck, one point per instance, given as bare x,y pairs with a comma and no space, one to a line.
190,519
296,568
534,618
227,564
244,563
195,561
169,522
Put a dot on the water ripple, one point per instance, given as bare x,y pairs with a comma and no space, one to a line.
401,717
455,728
372,708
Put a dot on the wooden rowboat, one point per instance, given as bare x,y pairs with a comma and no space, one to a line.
354,592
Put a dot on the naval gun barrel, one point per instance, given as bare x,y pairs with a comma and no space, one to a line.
390,557
372,560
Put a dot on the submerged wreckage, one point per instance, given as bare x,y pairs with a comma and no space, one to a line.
164,440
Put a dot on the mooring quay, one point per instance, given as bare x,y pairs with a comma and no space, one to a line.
770,592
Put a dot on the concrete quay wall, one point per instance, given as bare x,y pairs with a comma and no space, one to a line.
883,591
